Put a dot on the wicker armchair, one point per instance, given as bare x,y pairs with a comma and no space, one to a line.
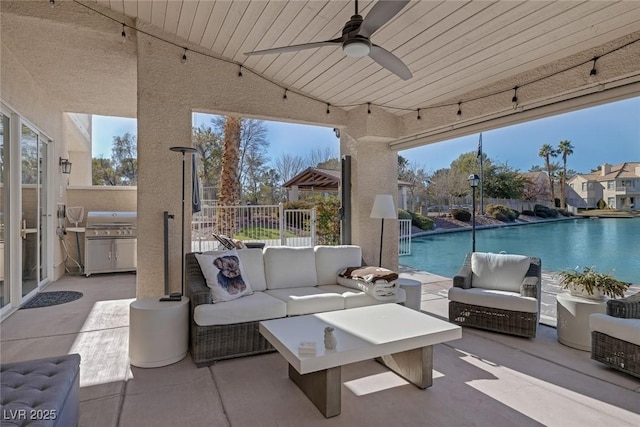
506,301
615,336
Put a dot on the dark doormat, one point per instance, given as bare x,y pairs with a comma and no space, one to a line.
46,299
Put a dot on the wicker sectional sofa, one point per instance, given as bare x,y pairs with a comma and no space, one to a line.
286,281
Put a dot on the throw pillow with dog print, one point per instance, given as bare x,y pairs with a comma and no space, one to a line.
225,275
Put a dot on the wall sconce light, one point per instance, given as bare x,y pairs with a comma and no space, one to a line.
65,166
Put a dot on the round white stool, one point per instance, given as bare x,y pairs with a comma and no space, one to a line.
158,332
413,289
573,319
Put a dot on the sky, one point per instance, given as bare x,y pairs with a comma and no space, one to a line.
608,133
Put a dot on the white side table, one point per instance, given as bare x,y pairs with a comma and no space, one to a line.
158,332
573,319
413,289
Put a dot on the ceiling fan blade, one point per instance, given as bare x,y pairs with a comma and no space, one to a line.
391,62
380,14
296,47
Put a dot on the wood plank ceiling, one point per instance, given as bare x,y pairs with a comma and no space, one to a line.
451,47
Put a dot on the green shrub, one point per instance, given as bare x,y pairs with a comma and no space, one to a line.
327,220
541,214
461,215
549,212
528,213
298,204
501,212
402,214
421,221
602,204
564,212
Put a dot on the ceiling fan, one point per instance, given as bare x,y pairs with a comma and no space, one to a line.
355,39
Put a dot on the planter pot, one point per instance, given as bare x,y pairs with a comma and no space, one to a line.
578,291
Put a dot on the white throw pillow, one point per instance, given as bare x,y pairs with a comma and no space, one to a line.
225,275
504,272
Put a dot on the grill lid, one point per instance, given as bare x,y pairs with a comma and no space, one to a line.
111,219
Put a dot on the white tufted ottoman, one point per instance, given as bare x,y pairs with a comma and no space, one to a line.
42,392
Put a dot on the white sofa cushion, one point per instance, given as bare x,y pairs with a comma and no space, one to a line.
255,307
494,298
253,265
331,259
287,267
498,271
356,298
307,300
623,329
225,275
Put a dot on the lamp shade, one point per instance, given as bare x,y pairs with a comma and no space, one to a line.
474,180
383,207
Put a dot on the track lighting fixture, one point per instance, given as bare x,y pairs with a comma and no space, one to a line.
184,56
240,71
285,95
459,113
514,100
328,105
368,108
123,33
52,3
419,118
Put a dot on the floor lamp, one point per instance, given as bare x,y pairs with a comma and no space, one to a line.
383,207
182,150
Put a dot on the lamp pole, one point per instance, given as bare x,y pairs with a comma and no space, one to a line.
182,150
474,180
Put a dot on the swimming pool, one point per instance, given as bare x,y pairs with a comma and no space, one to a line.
611,245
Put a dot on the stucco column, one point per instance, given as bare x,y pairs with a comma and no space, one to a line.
163,122
374,170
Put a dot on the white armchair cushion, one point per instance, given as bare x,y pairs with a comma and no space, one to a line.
623,329
331,259
493,298
498,271
287,267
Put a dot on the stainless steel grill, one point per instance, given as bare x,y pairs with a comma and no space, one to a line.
111,224
110,242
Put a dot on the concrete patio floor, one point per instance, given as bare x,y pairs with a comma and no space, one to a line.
483,379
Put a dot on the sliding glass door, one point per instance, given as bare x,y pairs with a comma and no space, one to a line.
25,211
35,214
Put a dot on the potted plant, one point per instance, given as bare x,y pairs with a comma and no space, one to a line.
589,283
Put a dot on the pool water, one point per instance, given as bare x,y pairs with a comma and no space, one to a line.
611,245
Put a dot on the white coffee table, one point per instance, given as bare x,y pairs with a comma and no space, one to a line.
403,338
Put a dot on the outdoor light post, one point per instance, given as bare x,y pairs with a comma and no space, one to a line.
474,180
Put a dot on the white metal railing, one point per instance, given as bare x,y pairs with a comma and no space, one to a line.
269,224
404,237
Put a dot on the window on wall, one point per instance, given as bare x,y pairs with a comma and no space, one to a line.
611,202
610,185
114,152
585,186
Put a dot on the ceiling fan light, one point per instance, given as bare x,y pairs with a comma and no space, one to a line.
356,48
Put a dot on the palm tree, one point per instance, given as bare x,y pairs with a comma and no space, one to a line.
546,152
229,179
565,149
